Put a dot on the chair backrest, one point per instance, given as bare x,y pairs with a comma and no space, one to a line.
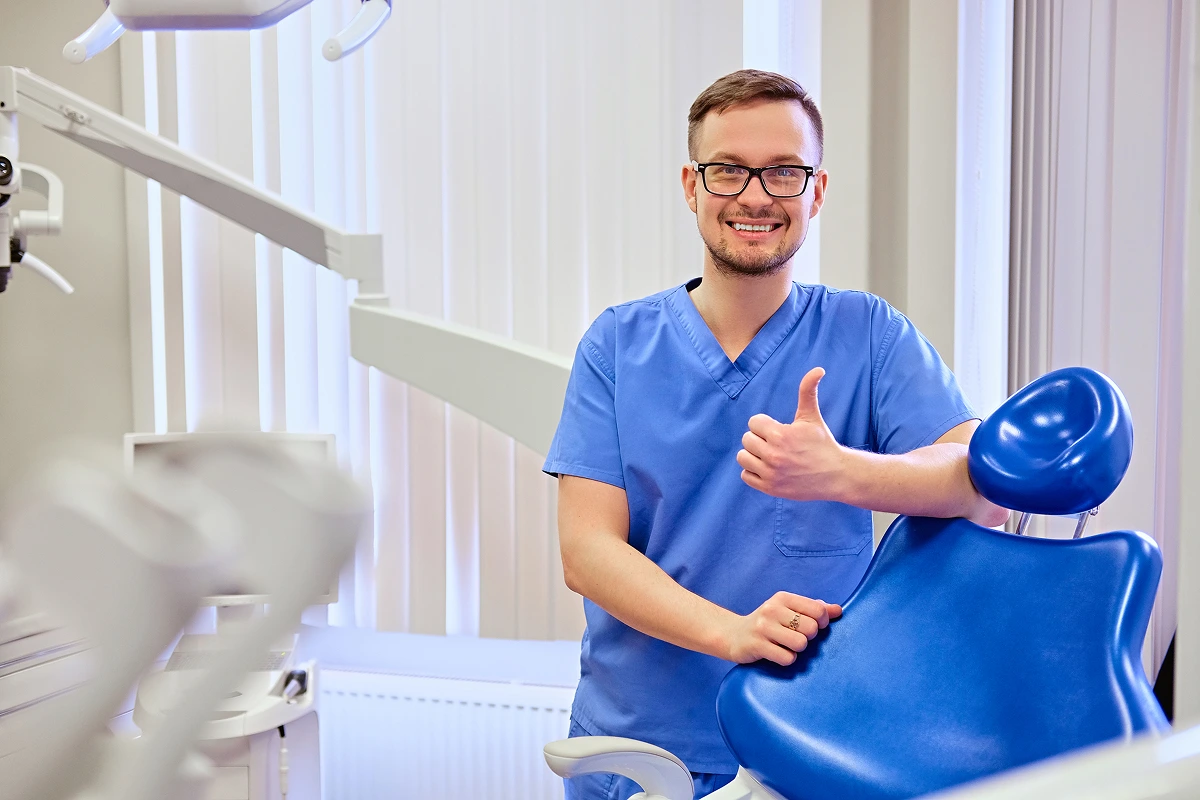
966,651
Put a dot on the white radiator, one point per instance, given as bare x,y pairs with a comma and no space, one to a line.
387,737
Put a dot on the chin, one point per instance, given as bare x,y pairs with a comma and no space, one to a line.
748,270
751,265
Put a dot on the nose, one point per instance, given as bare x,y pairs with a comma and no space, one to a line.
755,195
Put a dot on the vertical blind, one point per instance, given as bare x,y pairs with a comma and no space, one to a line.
521,159
1099,145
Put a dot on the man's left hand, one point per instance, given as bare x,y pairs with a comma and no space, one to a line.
799,460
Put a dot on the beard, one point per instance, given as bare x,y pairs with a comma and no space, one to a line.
752,261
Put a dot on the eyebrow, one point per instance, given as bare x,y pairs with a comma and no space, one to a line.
787,158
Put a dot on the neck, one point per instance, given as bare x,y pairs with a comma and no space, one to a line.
735,307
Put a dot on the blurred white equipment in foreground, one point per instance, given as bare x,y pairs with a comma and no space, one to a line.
277,690
1149,768
206,15
122,563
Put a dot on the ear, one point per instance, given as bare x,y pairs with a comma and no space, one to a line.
688,177
820,182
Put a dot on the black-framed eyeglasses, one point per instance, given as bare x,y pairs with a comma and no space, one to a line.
730,180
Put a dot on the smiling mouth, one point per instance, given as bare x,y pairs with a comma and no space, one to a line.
765,227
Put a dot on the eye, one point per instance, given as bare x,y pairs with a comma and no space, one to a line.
787,172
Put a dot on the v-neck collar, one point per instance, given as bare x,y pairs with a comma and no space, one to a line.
732,376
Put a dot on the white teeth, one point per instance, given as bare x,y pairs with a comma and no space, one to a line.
737,226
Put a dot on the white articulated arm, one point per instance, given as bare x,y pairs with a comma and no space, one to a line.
357,256
516,389
661,775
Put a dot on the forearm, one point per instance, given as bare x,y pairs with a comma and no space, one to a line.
930,482
599,563
625,583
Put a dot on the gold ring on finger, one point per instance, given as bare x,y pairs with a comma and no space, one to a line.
795,623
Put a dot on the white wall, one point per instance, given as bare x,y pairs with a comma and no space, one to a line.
846,107
928,185
914,99
65,361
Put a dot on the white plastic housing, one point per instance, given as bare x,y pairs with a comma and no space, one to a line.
658,772
95,40
40,180
151,15
366,23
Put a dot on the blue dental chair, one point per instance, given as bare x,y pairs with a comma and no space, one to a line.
964,651
967,651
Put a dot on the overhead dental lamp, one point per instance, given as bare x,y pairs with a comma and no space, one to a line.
188,15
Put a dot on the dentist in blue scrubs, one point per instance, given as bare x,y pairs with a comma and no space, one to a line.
723,443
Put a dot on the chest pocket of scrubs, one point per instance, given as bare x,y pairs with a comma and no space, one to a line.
820,528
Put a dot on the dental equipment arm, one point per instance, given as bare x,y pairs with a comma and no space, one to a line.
515,388
150,15
357,256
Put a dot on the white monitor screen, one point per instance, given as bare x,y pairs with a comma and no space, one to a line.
318,446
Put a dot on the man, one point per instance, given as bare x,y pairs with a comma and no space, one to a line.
711,510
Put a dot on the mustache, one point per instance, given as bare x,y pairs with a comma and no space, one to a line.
745,214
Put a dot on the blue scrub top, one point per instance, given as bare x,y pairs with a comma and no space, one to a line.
655,407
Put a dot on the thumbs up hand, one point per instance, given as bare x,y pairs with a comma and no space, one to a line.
799,460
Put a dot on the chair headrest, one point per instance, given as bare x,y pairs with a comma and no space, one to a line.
1059,446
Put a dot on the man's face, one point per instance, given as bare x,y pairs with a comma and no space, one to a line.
759,134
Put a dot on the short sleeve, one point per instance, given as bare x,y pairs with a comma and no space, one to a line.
585,443
915,398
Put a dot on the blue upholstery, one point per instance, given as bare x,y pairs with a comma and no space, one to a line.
1059,446
966,651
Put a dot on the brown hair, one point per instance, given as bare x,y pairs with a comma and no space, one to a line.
747,86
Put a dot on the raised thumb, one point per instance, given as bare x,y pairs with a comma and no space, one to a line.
807,407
